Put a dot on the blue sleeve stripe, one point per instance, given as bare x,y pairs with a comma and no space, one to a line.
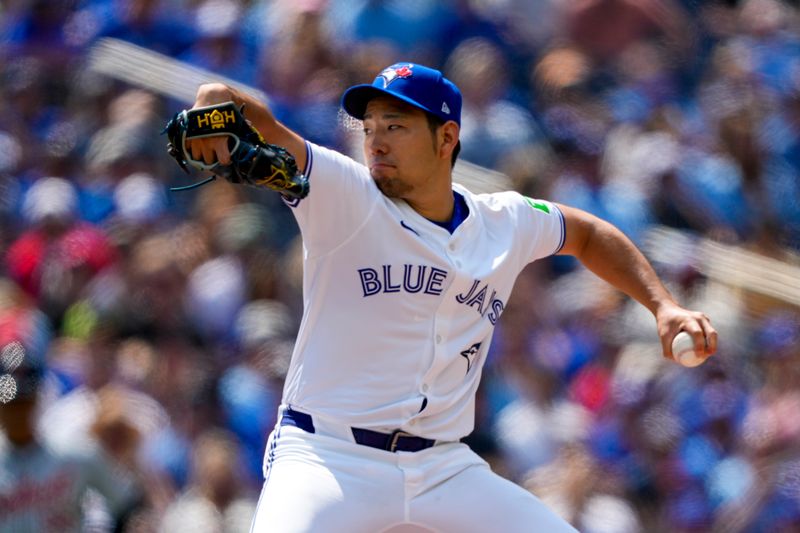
309,160
563,229
294,202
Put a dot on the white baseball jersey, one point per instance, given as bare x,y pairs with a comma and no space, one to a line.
399,313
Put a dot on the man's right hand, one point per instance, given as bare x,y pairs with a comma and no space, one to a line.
211,149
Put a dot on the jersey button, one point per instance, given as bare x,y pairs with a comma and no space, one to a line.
452,246
425,387
438,339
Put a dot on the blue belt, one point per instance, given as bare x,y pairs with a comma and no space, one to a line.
395,441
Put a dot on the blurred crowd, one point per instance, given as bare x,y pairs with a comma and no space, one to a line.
163,322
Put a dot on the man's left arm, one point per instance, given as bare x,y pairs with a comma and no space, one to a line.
608,253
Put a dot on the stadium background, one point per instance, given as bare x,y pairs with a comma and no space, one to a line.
677,120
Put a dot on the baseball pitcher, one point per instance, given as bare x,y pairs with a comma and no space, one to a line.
405,277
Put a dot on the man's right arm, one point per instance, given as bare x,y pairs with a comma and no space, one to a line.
606,251
211,149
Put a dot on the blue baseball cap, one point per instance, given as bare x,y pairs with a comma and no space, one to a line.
418,85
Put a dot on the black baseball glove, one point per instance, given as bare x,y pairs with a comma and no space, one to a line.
253,160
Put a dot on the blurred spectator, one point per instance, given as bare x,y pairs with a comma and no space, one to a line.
493,126
213,500
302,70
35,28
56,257
605,28
250,391
44,488
161,25
412,27
471,20
217,45
125,143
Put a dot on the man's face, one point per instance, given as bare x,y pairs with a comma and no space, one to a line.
399,147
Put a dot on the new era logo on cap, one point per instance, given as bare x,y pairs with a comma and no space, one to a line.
416,84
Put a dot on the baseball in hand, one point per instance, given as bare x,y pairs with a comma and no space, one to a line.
683,350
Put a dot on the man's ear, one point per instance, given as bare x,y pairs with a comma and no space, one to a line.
449,138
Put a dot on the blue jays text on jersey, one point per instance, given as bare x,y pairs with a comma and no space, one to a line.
427,279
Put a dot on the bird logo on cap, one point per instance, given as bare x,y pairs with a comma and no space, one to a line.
394,72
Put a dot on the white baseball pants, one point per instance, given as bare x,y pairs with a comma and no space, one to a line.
316,483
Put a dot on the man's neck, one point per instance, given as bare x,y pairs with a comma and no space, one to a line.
437,206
